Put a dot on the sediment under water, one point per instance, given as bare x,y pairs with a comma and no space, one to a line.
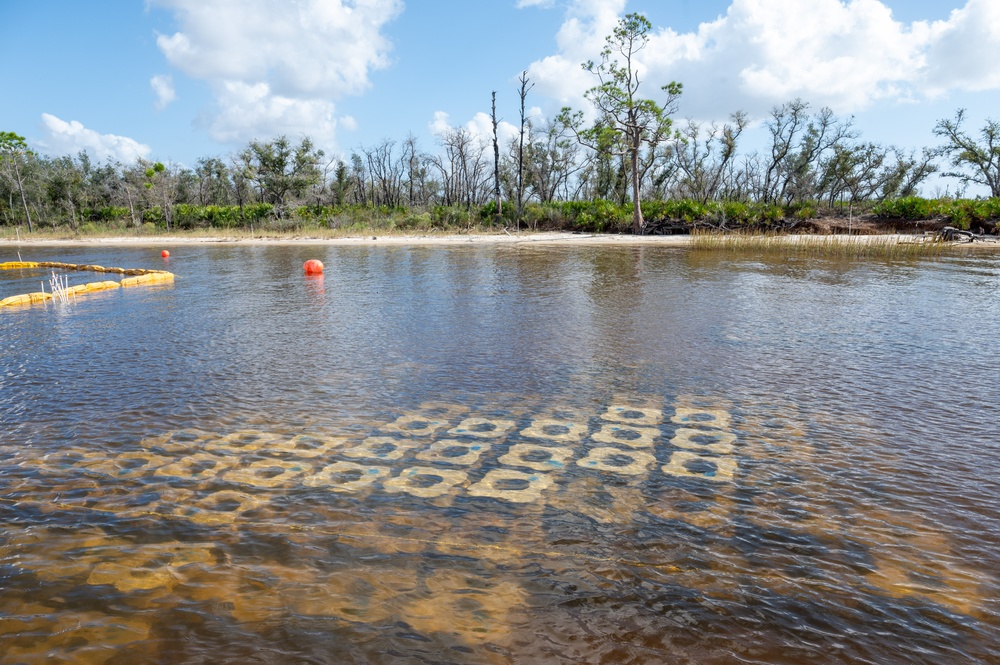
483,455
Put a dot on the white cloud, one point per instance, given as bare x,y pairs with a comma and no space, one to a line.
275,68
846,55
962,51
246,112
480,127
441,124
581,38
347,122
163,86
69,138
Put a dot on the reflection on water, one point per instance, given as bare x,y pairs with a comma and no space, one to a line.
502,456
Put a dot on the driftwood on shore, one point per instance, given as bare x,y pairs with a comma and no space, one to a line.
951,234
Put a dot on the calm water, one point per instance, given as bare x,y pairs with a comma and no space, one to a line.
501,455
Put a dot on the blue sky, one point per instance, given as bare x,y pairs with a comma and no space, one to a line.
81,75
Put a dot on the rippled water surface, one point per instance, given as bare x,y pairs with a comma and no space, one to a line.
511,454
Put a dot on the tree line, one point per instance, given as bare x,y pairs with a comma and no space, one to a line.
633,155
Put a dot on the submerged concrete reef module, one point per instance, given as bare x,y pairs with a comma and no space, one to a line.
134,277
459,521
503,486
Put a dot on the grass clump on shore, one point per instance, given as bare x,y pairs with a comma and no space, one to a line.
831,247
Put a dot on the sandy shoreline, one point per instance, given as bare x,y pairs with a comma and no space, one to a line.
513,239
417,239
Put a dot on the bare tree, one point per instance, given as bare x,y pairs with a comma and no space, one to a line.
522,93
359,180
909,171
551,159
412,167
856,171
799,142
386,173
784,126
704,159
462,167
979,160
496,156
823,134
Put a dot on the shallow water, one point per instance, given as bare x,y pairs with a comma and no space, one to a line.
501,455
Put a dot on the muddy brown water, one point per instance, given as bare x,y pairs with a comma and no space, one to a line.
501,455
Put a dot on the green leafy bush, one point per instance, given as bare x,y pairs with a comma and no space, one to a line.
910,208
256,212
450,216
105,214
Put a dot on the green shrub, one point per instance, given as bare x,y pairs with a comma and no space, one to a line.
446,217
598,216
415,222
186,216
772,214
222,216
256,212
737,213
489,211
689,211
910,208
105,214
545,216
802,211
154,215
967,214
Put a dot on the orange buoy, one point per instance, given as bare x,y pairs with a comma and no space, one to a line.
165,254
313,267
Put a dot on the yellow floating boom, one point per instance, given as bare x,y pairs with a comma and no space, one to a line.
138,277
148,278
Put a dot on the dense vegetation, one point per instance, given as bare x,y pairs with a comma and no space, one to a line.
558,173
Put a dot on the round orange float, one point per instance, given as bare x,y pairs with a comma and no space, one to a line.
313,267
165,254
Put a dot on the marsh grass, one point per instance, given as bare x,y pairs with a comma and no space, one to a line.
833,247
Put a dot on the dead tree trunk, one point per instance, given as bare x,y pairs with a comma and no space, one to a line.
496,159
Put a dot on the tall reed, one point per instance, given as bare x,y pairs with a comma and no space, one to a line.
60,287
833,247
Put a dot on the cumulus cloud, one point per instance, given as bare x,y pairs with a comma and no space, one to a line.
163,86
69,138
348,122
275,68
246,111
441,124
480,127
846,55
961,50
580,38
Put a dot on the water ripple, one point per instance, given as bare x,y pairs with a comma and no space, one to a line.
484,455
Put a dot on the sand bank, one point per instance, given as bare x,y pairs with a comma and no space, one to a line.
414,239
522,238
